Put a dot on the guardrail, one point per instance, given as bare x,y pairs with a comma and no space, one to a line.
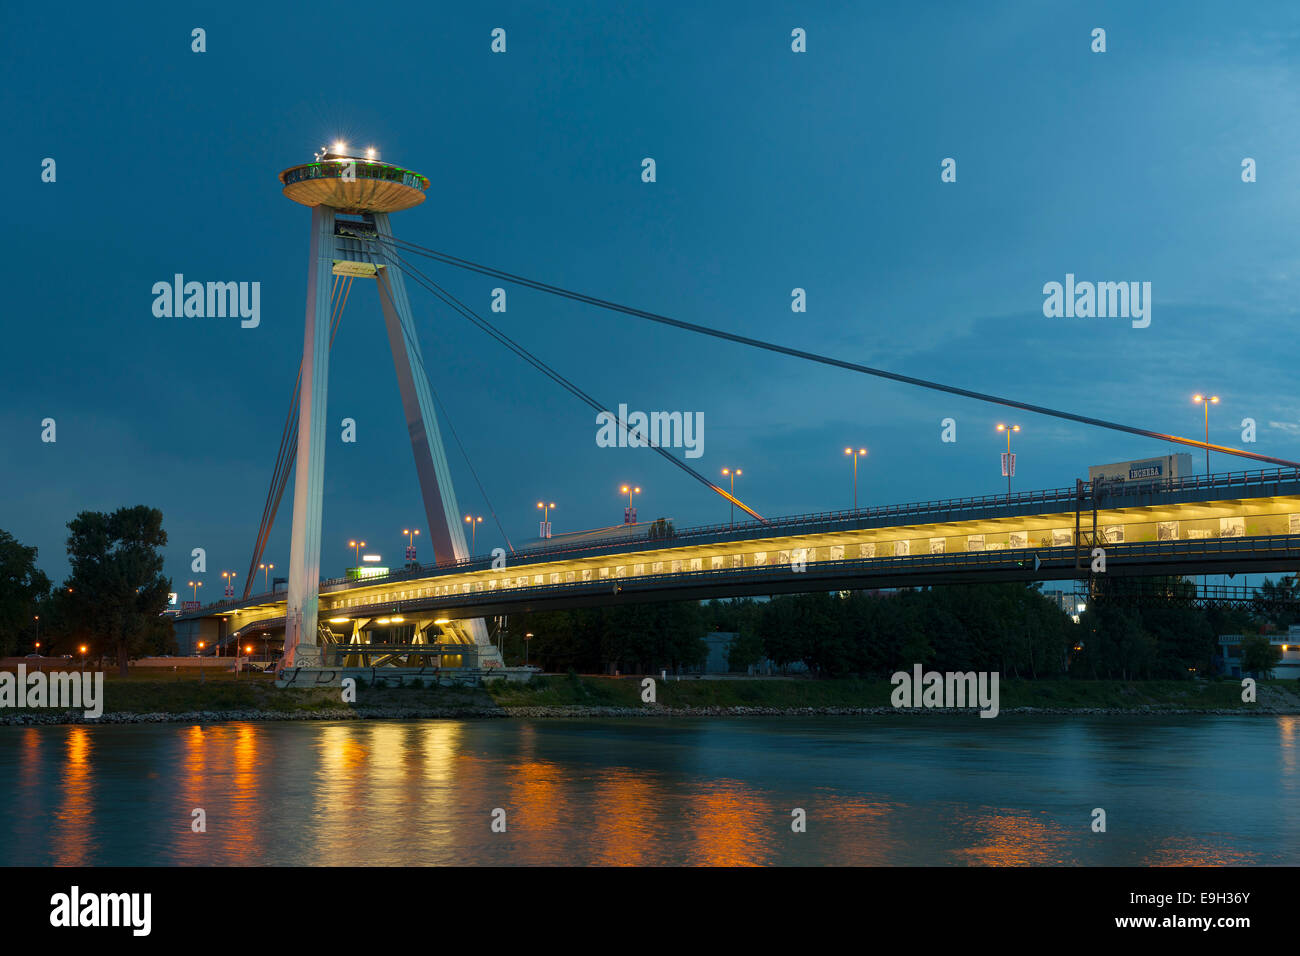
1112,493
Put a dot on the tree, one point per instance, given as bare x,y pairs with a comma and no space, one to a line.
1258,654
22,587
118,590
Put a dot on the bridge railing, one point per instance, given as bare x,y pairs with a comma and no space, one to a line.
1112,494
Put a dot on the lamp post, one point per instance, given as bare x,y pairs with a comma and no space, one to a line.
1008,429
858,453
266,654
357,546
527,637
1199,399
266,575
410,544
546,518
202,644
83,657
732,473
629,516
473,521
195,585
229,590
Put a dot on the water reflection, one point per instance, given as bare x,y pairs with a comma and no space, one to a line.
707,793
74,820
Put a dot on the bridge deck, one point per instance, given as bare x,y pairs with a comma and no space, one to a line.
1206,524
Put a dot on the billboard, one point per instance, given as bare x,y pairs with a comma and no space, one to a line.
1143,469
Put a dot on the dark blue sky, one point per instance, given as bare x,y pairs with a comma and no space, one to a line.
775,170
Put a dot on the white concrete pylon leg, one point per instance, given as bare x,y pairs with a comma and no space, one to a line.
301,646
446,533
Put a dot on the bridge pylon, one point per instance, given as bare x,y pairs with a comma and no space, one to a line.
351,196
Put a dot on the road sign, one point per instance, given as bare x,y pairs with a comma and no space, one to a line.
1008,465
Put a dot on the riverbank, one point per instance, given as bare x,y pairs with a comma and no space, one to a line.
170,700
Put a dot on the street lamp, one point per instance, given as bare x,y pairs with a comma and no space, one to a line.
629,516
266,575
473,522
1008,429
733,473
527,637
230,583
859,453
202,644
1199,399
546,518
194,584
357,546
410,544
83,656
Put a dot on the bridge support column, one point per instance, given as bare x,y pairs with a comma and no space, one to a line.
446,533
301,642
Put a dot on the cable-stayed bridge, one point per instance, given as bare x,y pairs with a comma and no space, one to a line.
1245,521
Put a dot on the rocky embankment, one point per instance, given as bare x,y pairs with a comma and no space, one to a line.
579,710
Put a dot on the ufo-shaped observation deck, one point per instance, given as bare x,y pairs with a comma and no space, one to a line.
371,186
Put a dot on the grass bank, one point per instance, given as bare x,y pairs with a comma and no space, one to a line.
223,696
1056,694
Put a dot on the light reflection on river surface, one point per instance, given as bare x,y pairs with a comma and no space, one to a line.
1018,790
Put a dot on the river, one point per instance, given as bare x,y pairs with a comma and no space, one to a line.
893,790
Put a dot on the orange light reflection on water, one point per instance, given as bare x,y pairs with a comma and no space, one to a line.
73,834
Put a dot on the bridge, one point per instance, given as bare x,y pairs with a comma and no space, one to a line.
1240,522
435,614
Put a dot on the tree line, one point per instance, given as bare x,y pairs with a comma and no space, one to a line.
1013,629
112,601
